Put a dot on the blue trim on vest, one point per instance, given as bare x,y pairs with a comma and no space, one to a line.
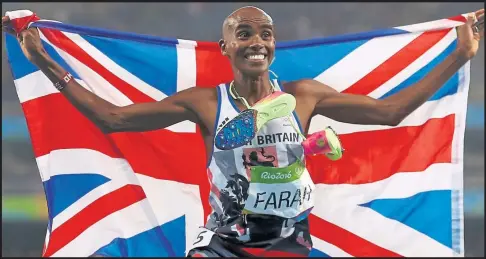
231,100
215,124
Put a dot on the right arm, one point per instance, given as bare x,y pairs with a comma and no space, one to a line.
111,118
107,116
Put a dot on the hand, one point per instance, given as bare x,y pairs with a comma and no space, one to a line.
29,40
467,38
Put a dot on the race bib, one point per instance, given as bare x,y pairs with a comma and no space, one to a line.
202,239
284,192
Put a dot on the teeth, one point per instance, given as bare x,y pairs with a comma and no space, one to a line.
256,57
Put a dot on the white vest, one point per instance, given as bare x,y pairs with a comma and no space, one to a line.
267,176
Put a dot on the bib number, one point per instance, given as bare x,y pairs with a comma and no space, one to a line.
202,239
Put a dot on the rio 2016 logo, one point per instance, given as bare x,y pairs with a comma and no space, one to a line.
276,176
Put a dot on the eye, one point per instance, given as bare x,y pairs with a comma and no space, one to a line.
266,34
243,34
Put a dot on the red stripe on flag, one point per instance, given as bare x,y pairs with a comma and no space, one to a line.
458,18
214,188
201,178
261,252
94,212
375,155
61,41
55,124
396,63
212,67
204,190
21,23
163,154
345,240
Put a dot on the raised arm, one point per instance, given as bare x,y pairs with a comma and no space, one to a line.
359,109
107,116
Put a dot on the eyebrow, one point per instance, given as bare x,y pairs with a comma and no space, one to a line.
267,26
246,26
242,26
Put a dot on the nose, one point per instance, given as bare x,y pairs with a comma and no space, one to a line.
257,43
256,46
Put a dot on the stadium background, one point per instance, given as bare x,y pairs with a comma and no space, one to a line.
23,204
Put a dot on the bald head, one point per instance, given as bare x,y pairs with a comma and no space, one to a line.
248,41
243,14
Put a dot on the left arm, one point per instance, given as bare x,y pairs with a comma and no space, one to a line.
359,109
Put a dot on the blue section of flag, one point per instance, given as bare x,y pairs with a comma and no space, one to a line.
64,184
84,30
21,66
340,38
449,88
158,69
427,212
309,62
150,243
177,231
317,253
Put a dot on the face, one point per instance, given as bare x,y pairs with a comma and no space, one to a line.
248,41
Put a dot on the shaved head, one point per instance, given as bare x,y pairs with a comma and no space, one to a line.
248,41
243,14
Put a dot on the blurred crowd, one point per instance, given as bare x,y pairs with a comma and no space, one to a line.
203,21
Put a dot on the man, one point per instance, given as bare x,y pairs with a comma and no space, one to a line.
253,216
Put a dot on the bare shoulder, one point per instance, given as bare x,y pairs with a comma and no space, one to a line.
204,97
201,101
308,93
194,98
199,98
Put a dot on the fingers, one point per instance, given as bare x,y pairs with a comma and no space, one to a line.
8,30
471,19
6,25
478,26
479,31
477,15
479,12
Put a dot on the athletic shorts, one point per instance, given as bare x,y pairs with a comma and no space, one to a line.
295,243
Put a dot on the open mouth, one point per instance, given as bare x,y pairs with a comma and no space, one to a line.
255,57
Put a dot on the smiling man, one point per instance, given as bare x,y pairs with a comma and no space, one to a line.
261,193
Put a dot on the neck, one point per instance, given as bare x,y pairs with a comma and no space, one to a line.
253,88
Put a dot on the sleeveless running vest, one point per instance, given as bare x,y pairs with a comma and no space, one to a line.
260,192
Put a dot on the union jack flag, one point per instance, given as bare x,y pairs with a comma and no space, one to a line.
396,192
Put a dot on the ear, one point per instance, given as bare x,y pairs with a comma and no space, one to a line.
222,46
